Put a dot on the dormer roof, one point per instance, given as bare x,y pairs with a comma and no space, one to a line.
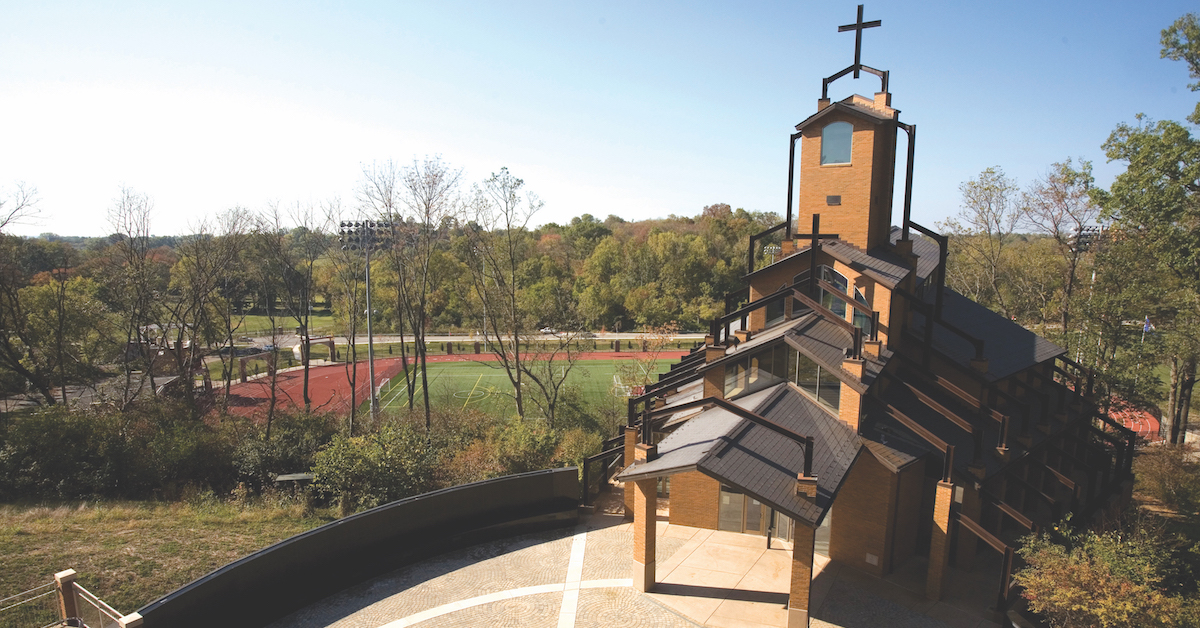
858,106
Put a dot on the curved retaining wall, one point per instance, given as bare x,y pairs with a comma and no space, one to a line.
269,584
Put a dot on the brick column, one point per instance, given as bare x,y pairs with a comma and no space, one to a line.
65,582
631,441
645,502
803,538
939,547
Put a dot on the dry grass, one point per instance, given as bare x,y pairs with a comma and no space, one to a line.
131,553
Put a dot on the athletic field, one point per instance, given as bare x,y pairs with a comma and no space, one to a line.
485,386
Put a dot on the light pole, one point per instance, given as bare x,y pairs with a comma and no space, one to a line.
367,235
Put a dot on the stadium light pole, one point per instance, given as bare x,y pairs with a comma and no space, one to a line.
367,235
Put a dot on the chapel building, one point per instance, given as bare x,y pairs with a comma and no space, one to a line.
850,403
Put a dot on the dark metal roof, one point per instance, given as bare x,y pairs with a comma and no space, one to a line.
1008,347
927,251
846,106
879,264
758,460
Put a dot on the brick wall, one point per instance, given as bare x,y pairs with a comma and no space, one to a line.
908,513
864,185
694,500
863,515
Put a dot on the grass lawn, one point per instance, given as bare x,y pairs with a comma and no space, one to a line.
131,553
259,325
485,386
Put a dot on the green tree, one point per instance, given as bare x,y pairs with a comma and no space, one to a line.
1156,202
1127,577
1059,206
982,232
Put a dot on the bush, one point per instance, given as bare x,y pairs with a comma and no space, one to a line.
1170,474
526,445
151,449
367,471
295,441
1128,577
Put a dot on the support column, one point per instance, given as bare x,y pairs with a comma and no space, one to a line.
939,547
803,539
65,582
631,441
645,503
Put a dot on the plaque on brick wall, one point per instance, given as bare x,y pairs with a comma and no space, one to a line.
833,200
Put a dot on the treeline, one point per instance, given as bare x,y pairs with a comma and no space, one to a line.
135,307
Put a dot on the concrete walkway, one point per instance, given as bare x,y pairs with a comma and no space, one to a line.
580,578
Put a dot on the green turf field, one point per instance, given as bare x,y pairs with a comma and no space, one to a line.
486,387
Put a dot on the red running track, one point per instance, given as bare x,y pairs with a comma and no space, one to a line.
329,386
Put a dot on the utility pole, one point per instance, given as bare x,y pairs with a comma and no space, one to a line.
367,235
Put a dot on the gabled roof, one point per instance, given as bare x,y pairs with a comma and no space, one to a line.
846,106
757,460
879,264
822,340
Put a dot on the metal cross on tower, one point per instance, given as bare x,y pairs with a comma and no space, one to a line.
858,27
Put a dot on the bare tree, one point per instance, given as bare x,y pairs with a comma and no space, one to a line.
420,200
346,282
984,226
137,286
205,259
500,242
1059,205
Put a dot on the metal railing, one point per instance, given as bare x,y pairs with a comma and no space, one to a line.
35,607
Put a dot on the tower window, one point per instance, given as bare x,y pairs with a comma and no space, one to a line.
835,143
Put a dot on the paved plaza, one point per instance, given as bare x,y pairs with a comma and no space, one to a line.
580,577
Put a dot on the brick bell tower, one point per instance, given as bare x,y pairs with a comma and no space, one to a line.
848,159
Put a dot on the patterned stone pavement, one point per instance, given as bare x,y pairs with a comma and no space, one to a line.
580,577
559,578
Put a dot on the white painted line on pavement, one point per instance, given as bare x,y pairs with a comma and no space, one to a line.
570,602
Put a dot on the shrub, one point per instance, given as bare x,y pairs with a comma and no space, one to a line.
366,471
295,440
526,445
1128,577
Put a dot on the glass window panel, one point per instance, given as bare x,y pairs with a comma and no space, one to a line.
783,526
830,389
834,304
835,143
863,322
779,362
729,513
806,374
753,515
774,312
834,277
735,379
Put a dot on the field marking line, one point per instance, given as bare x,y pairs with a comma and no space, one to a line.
395,393
468,399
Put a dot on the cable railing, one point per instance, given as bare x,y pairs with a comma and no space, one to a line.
35,607
94,612
63,602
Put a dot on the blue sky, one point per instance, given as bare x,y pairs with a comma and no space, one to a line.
635,109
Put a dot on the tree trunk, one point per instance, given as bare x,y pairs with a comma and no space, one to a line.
1187,384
